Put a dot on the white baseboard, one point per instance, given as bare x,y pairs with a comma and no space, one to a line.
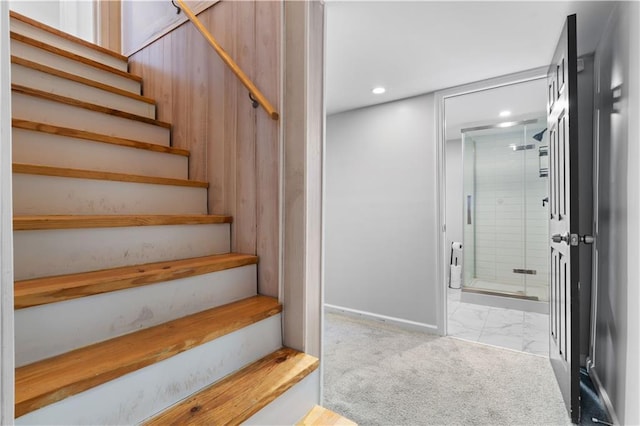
602,393
402,323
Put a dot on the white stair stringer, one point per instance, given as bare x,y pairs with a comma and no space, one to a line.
33,108
46,149
136,396
52,329
24,28
41,253
36,79
72,66
54,195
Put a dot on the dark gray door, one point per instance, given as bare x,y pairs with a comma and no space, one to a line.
562,116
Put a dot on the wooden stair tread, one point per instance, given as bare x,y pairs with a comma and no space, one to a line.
33,169
320,416
53,379
61,52
78,79
31,223
45,290
67,36
242,394
86,105
94,137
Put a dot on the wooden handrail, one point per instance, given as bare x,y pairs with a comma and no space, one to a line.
255,94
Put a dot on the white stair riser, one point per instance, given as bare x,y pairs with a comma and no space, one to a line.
290,407
49,83
139,395
52,195
45,149
44,331
32,108
65,251
25,29
34,54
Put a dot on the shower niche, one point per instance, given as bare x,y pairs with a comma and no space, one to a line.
505,210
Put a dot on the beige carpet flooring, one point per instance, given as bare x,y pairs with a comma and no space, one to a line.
378,374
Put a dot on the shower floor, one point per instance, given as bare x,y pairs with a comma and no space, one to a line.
539,291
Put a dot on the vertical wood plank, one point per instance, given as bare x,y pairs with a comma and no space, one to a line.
179,101
230,123
134,64
313,179
7,340
245,217
302,147
197,111
164,112
217,138
153,58
109,24
268,148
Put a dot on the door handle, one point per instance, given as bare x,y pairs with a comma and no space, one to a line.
572,239
558,238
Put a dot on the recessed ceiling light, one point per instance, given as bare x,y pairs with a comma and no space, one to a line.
378,90
505,113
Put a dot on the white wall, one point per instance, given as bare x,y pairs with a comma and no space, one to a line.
75,17
618,244
47,12
380,223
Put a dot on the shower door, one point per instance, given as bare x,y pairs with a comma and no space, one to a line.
505,215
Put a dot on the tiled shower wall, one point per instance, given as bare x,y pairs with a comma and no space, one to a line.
511,228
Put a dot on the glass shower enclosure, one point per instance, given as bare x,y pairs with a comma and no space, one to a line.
505,217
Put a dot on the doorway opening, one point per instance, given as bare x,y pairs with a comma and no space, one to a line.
494,262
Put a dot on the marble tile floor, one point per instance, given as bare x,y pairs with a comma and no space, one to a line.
506,328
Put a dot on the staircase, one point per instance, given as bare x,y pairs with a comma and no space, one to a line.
130,307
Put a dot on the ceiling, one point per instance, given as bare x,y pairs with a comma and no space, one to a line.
412,48
523,101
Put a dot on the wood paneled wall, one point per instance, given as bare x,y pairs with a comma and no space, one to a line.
234,147
146,21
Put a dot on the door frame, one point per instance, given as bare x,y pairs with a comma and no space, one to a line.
440,119
6,228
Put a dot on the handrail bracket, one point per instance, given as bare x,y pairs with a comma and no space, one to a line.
254,101
256,96
178,10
